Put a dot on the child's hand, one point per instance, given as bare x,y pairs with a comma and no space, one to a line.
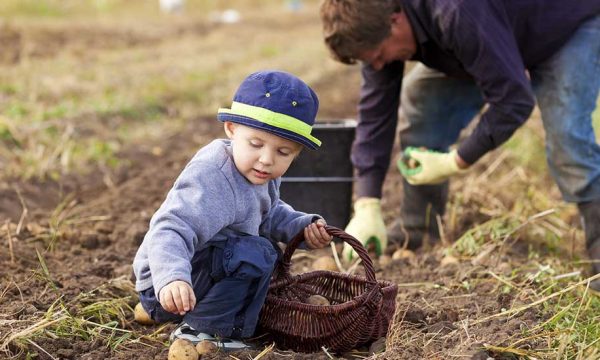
177,297
315,235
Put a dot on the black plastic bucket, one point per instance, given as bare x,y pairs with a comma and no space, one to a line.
320,181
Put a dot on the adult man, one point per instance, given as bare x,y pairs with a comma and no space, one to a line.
503,53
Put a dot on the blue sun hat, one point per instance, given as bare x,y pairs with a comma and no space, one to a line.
277,102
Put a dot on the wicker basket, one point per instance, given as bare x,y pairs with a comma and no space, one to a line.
360,311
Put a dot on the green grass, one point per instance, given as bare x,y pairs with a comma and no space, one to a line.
44,139
100,315
525,146
34,8
522,205
71,109
57,9
571,330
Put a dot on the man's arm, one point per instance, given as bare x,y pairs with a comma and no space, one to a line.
376,129
482,39
371,151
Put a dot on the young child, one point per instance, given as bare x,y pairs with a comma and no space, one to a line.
209,253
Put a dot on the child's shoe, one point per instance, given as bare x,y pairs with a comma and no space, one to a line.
186,332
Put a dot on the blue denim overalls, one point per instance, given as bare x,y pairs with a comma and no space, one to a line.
230,280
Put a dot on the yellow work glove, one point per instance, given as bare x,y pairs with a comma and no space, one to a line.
428,166
366,226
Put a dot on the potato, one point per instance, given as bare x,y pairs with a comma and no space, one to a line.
206,347
384,260
183,350
410,163
402,254
448,260
378,346
141,316
317,300
325,263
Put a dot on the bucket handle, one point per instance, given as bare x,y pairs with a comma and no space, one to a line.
283,267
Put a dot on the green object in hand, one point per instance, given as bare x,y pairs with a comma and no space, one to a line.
434,167
408,164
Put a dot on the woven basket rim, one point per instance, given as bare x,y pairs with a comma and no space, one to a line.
319,273
283,267
356,301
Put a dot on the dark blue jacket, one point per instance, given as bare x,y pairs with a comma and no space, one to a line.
492,42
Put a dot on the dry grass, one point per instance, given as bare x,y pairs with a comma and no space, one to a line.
509,204
71,107
103,314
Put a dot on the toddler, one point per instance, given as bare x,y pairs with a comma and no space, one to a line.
210,251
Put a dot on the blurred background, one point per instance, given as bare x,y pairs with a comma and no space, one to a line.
82,80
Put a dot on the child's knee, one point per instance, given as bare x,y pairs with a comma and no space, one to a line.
249,257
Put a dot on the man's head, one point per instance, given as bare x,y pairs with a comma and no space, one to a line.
276,111
375,31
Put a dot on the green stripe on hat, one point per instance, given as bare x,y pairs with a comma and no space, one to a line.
275,119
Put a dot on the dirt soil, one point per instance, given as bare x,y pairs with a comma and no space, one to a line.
436,304
432,302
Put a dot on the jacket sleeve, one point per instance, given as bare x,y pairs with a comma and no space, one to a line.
376,129
282,222
482,39
196,208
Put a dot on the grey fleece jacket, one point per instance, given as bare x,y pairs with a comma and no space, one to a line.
210,201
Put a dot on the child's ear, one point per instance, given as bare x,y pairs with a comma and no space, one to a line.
229,128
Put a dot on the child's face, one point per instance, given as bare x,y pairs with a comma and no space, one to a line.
259,155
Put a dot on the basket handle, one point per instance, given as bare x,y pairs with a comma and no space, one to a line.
283,268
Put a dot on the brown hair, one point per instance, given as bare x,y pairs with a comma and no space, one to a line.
351,27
